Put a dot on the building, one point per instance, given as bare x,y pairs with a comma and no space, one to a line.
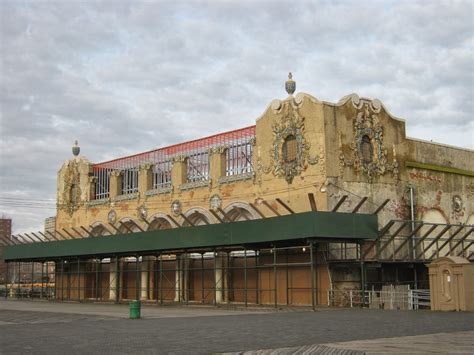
315,197
5,234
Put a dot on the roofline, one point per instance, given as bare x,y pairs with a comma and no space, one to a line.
172,146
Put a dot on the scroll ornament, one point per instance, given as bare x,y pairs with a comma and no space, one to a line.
72,190
366,125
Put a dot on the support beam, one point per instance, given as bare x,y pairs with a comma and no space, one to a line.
51,235
466,248
216,216
394,235
271,208
45,237
380,208
186,219
88,233
339,203
29,238
424,236
408,238
257,210
60,234
470,230
117,231
359,205
284,205
77,232
312,202
69,234
125,226
226,216
440,234
173,220
382,232
136,224
456,232
41,240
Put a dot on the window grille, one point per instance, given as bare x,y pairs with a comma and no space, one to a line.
129,181
162,174
197,170
102,183
239,159
290,149
198,167
367,150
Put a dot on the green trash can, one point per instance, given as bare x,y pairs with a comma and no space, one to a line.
135,309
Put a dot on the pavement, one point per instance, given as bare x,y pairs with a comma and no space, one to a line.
28,327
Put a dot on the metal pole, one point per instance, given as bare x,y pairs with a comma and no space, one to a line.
155,278
257,277
6,280
97,279
161,279
215,280
42,279
117,279
312,275
138,276
316,273
245,276
274,277
62,279
287,279
19,280
227,288
79,279
32,277
362,281
202,277
185,278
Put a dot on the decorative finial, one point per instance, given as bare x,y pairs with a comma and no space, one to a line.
76,149
290,84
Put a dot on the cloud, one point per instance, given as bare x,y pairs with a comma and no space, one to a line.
124,77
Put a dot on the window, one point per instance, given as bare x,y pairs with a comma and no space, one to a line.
102,183
366,150
162,174
73,194
290,149
129,181
239,159
198,167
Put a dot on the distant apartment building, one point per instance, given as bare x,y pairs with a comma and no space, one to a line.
50,225
5,233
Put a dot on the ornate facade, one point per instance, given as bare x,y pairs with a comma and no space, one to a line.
350,157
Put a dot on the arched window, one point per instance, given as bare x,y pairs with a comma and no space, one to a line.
290,149
73,194
367,150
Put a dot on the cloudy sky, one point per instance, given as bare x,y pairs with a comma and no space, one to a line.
124,77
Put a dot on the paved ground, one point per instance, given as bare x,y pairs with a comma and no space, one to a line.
54,328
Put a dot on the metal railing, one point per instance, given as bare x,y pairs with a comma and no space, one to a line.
383,299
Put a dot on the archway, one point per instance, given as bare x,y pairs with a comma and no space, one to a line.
158,223
99,230
240,211
127,225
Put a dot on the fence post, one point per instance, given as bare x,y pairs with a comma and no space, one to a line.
410,299
350,297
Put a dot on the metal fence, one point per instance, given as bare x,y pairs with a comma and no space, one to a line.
383,299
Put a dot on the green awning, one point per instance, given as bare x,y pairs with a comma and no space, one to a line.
283,229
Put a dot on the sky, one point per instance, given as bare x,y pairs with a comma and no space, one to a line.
129,76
